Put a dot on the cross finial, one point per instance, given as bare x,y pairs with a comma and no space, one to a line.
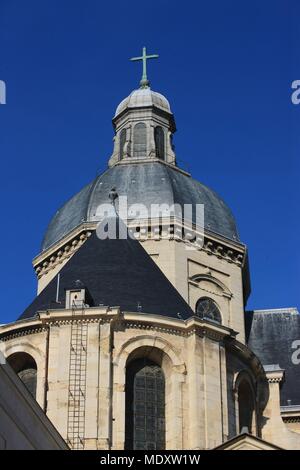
145,82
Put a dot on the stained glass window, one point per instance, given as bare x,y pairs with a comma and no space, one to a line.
207,309
145,406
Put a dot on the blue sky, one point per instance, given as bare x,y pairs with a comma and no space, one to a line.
225,66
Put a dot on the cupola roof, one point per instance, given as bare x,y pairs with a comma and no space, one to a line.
144,97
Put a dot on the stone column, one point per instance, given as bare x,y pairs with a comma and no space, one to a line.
151,142
105,388
275,430
195,398
224,391
52,395
213,409
174,410
92,387
170,155
118,415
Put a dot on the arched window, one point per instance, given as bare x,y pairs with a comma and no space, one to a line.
122,143
140,140
159,138
246,406
207,309
145,406
25,367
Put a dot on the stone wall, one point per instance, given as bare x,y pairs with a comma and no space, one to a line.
192,354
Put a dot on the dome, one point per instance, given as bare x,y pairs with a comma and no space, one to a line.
147,183
144,97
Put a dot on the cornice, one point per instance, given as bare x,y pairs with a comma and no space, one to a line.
141,321
290,413
213,245
137,111
274,373
291,419
47,261
132,160
274,380
22,331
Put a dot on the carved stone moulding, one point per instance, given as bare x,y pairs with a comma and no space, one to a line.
219,247
61,254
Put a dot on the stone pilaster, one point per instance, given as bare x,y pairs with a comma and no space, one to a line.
105,387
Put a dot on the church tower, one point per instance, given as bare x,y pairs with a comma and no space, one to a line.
138,342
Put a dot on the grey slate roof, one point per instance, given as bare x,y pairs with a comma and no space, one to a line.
271,334
116,273
147,183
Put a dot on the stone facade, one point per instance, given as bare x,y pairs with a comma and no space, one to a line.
215,387
200,401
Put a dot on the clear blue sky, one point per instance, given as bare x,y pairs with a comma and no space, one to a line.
225,66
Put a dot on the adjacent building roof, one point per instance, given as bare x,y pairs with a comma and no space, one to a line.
246,441
274,336
144,183
116,272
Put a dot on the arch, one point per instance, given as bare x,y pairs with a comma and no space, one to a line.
223,289
206,308
26,368
133,345
163,354
245,402
26,345
122,141
159,139
140,140
145,405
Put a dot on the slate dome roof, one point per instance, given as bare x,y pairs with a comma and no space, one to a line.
144,97
147,183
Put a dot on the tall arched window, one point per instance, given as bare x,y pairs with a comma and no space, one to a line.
145,406
159,138
245,406
140,140
207,309
25,367
122,143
